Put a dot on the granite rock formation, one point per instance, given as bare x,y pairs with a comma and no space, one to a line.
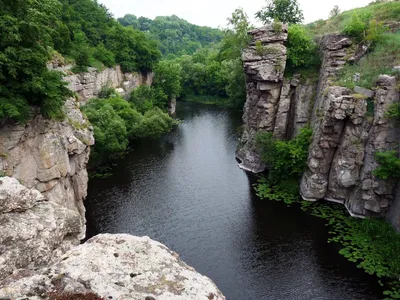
113,267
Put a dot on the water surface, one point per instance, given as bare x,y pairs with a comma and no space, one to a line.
186,191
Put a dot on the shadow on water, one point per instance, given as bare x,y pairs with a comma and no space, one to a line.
186,191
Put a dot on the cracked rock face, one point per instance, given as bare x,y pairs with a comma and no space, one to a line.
115,267
50,156
88,85
264,74
33,230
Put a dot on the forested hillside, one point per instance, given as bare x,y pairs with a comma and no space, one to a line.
174,35
83,32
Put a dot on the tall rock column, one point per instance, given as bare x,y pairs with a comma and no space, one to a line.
264,64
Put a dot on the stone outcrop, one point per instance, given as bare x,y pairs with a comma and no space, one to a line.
349,126
113,267
88,85
264,74
34,231
50,156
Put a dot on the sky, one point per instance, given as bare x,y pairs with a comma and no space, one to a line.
214,13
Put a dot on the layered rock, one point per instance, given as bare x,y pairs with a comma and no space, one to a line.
264,74
89,84
34,231
50,156
348,128
113,267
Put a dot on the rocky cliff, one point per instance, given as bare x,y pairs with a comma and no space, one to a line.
88,85
346,134
43,182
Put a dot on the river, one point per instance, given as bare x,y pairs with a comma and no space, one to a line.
186,191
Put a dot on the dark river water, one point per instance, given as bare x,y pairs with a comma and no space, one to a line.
186,191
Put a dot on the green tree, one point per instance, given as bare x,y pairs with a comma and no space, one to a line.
167,82
334,12
286,11
26,31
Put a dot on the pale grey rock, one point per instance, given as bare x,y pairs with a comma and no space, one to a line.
50,156
33,230
117,266
88,85
365,92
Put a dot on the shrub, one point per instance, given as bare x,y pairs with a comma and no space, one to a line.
104,55
116,123
363,28
393,113
284,158
107,92
142,98
301,48
389,165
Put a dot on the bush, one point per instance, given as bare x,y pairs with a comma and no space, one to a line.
301,49
107,92
142,98
389,165
104,55
284,159
116,123
393,113
363,28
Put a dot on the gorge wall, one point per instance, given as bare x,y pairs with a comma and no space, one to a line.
89,84
346,134
43,183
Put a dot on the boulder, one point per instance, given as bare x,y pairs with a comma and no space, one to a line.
118,267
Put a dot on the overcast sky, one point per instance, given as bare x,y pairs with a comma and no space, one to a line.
215,12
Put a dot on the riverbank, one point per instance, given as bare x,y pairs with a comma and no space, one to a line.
209,100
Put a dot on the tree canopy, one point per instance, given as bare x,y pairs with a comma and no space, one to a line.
285,11
174,35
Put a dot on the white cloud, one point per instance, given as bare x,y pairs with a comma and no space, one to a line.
215,12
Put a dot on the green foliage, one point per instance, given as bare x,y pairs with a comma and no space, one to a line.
380,61
363,28
393,113
389,165
286,11
217,72
284,159
301,49
143,98
175,36
259,48
167,82
210,100
116,123
25,42
382,11
371,243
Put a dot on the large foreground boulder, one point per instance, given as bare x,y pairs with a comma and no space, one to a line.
113,267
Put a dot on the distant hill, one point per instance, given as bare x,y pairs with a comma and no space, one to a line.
174,35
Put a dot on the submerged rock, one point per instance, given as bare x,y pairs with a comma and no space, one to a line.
114,267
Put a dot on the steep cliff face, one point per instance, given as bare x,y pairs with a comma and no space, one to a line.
50,156
264,74
34,231
346,135
88,85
